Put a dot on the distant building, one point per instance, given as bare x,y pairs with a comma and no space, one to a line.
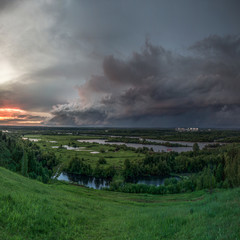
180,129
187,129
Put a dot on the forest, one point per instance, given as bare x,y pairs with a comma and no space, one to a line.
26,158
215,166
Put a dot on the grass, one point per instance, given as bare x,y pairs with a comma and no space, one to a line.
113,158
32,210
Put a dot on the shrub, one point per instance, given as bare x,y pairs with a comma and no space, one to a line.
102,160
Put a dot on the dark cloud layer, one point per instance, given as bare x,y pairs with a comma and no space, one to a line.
156,86
5,4
75,55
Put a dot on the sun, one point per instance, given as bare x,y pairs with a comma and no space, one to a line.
7,72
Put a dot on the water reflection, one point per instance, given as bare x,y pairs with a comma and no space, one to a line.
156,148
99,183
91,182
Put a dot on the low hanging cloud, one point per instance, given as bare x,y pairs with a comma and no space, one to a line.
157,87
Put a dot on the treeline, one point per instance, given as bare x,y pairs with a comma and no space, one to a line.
208,168
164,134
229,136
221,170
26,158
162,164
173,186
232,139
153,164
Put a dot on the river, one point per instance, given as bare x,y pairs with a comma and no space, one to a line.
156,148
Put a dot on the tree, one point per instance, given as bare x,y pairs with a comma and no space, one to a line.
78,166
5,155
24,164
195,148
220,173
232,167
102,160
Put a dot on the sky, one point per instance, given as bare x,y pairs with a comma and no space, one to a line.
129,63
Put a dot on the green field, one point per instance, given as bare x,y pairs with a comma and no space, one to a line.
115,159
33,210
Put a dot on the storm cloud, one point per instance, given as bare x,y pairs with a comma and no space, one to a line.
201,88
85,62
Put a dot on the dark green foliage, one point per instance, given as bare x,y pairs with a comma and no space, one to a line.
78,166
109,172
24,164
232,166
195,148
151,165
101,172
206,179
5,155
102,160
131,170
187,185
220,173
26,158
48,159
102,150
170,181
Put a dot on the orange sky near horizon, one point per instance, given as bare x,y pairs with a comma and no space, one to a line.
16,116
10,113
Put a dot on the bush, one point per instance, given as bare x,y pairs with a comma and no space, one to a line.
102,160
170,181
78,166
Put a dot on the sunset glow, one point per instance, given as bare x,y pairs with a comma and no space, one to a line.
10,113
7,118
11,116
30,122
11,110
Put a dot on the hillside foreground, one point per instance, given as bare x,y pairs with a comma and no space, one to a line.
32,210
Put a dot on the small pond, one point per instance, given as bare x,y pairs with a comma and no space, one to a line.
91,182
98,183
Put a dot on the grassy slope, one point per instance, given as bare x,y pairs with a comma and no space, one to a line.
32,210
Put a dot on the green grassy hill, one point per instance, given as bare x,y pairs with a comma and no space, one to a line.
32,210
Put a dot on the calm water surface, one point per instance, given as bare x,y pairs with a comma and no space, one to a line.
156,148
90,182
98,183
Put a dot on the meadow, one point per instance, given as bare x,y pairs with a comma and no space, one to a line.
91,152
32,210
